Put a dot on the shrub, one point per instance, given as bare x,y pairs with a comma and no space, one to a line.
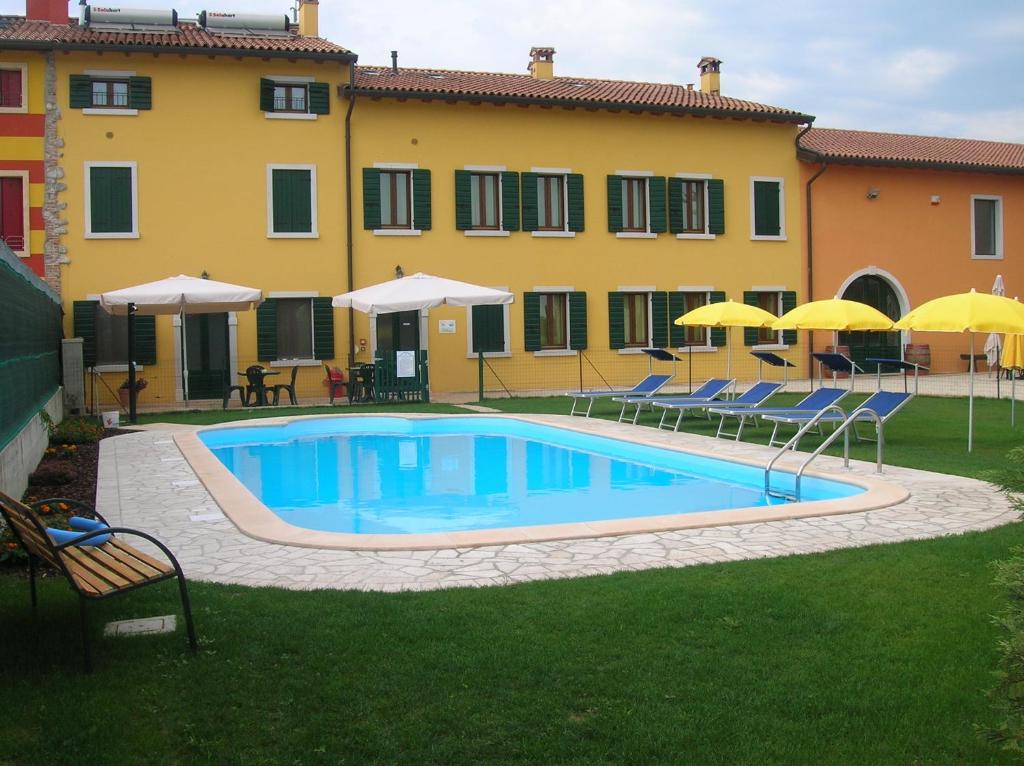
76,431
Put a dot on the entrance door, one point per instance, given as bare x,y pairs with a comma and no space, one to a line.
209,364
399,331
876,292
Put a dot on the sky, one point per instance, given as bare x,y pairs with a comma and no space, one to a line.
904,66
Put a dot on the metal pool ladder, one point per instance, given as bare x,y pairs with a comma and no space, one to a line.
843,428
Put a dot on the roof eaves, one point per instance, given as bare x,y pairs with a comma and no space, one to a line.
700,111
340,56
813,155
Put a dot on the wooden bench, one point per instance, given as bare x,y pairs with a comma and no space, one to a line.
93,571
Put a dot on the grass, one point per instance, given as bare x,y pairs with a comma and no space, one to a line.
877,655
209,417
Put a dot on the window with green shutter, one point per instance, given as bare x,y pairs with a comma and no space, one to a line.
421,208
323,329
615,195
717,335
286,98
88,92
111,195
774,302
292,208
509,201
657,218
574,204
478,200
554,321
528,188
105,336
531,320
266,330
683,302
696,206
577,321
488,329
84,327
371,198
659,319
616,320
788,304
767,202
716,206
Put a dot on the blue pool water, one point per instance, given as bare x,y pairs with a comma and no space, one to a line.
387,475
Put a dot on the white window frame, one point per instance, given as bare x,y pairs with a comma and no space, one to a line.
998,199
23,68
646,176
781,236
564,233
778,345
706,291
299,361
134,233
505,326
26,218
314,224
412,231
647,290
568,350
500,232
705,177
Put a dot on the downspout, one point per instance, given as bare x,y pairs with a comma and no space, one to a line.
348,208
810,241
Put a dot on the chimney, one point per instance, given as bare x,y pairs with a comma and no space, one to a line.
309,23
542,63
709,68
54,11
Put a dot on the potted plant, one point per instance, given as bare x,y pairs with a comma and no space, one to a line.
123,390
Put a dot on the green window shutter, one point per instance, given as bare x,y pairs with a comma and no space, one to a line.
716,206
488,328
616,321
577,321
421,200
574,194
659,319
110,199
463,200
323,329
788,304
84,327
531,319
292,200
266,330
656,196
529,187
676,308
750,333
717,335
320,101
266,95
675,206
371,198
140,92
766,209
145,339
80,91
614,203
510,201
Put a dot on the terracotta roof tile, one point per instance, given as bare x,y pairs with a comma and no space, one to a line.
898,149
561,90
16,29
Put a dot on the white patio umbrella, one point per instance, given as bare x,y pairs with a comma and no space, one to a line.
175,295
420,291
994,343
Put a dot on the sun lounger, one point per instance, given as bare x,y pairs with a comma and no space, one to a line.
885,404
646,387
706,393
754,396
813,403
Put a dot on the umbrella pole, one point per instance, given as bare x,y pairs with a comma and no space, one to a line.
132,394
728,358
1013,398
184,358
970,402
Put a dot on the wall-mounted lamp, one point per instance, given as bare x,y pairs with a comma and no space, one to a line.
873,192
398,272
205,274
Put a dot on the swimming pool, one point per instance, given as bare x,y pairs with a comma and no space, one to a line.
393,476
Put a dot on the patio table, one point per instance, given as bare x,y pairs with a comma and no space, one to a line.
261,388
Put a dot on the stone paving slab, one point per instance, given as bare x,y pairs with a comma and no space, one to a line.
143,484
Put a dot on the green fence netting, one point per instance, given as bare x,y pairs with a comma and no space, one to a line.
30,334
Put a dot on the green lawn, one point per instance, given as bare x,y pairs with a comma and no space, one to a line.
209,417
877,655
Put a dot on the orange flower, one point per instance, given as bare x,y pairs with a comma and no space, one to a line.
63,506
12,546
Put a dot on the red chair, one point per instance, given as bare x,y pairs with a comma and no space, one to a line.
336,385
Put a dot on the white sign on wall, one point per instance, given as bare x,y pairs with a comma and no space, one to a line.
405,364
446,326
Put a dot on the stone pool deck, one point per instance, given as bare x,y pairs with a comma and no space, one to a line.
145,482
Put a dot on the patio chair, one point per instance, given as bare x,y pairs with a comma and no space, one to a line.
885,404
288,388
705,393
646,387
336,385
97,570
254,384
813,403
754,396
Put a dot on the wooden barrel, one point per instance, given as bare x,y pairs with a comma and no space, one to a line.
845,351
918,353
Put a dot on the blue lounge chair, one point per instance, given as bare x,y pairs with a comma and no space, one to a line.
885,404
754,396
706,393
813,403
646,387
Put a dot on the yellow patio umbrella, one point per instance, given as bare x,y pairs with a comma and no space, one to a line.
727,314
1012,359
967,312
833,314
